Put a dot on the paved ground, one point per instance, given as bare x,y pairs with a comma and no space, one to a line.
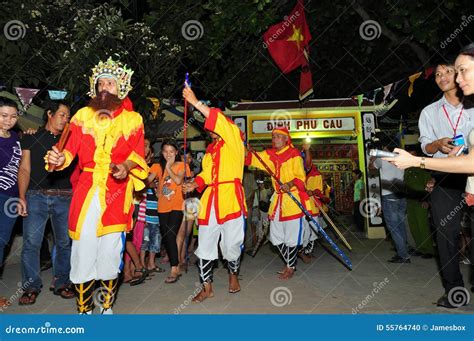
322,287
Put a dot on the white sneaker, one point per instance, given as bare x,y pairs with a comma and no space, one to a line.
86,313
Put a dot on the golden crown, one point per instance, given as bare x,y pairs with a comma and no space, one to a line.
112,69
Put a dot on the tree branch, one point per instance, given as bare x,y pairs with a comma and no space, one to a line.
397,39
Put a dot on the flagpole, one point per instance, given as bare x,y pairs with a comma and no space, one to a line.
187,83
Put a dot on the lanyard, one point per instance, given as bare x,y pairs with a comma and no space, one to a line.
451,123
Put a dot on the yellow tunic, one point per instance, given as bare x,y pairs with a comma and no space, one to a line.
222,172
314,181
287,165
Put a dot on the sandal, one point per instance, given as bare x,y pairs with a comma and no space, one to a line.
52,286
172,278
156,269
28,298
4,302
65,292
141,279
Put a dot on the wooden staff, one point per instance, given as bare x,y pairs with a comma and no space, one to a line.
335,229
60,145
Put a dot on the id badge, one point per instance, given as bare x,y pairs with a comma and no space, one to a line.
458,140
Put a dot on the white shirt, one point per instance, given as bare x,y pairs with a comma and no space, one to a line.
391,177
434,124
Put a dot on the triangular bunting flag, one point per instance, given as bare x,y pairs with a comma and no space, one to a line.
428,72
156,106
386,91
57,95
412,79
26,96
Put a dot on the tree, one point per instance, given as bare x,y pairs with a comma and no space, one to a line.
228,59
220,42
64,39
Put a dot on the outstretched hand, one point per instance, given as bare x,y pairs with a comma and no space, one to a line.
403,160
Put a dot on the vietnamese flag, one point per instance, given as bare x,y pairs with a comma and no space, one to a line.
288,44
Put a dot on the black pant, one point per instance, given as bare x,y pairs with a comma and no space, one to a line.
358,218
169,227
447,206
471,217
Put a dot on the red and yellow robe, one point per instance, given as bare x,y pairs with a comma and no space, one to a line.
222,171
314,181
287,165
98,143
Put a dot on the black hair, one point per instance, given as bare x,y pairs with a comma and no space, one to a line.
162,160
188,151
357,172
7,102
468,50
53,106
443,60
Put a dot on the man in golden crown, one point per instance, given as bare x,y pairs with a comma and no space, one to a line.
107,136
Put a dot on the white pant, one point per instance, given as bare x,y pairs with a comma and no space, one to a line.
232,234
308,233
289,232
93,257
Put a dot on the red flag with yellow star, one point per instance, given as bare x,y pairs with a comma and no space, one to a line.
288,44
